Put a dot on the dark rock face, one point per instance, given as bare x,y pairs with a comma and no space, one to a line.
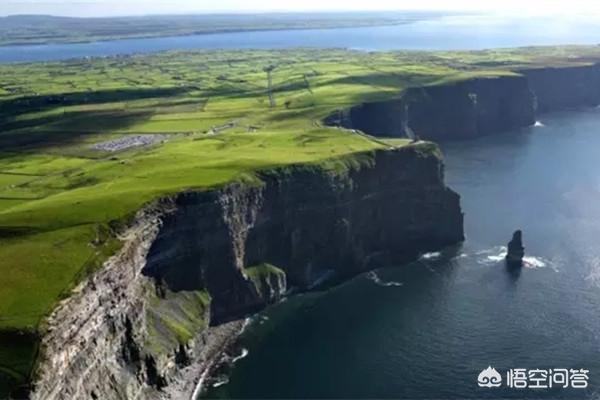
475,107
213,256
460,110
563,88
516,251
307,222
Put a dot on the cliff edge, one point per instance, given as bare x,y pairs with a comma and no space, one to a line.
475,107
196,260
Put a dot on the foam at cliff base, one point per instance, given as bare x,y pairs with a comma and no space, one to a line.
498,254
243,354
206,373
221,382
533,262
493,255
431,256
375,278
224,379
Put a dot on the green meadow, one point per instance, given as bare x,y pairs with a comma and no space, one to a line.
64,194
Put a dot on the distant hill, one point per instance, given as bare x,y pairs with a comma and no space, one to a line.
41,29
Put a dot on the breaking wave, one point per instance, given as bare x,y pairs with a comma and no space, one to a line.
375,278
538,124
243,354
224,359
533,262
492,256
430,256
498,254
220,382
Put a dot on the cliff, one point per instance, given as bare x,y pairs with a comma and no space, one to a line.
475,107
306,221
564,88
458,110
195,260
160,311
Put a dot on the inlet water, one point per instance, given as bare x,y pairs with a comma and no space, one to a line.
448,33
427,329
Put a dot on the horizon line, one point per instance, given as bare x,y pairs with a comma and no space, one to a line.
253,12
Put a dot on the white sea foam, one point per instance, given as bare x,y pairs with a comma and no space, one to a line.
533,262
538,124
243,354
247,322
594,275
200,384
431,256
220,382
498,254
375,278
492,256
204,376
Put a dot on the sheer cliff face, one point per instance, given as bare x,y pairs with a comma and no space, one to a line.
459,110
562,88
476,107
135,327
306,222
470,109
214,256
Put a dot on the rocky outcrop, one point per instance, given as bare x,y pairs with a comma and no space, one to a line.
475,107
458,110
139,328
516,251
90,347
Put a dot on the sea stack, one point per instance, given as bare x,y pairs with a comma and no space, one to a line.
516,251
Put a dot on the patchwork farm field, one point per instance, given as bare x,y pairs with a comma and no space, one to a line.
86,143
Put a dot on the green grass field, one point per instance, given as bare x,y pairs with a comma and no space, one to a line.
60,198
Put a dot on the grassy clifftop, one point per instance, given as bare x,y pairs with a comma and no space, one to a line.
68,168
71,170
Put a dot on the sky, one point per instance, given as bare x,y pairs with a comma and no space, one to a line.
145,7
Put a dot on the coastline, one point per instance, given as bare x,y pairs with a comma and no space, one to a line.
171,35
188,384
250,209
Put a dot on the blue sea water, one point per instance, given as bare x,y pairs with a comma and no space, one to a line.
446,33
426,330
